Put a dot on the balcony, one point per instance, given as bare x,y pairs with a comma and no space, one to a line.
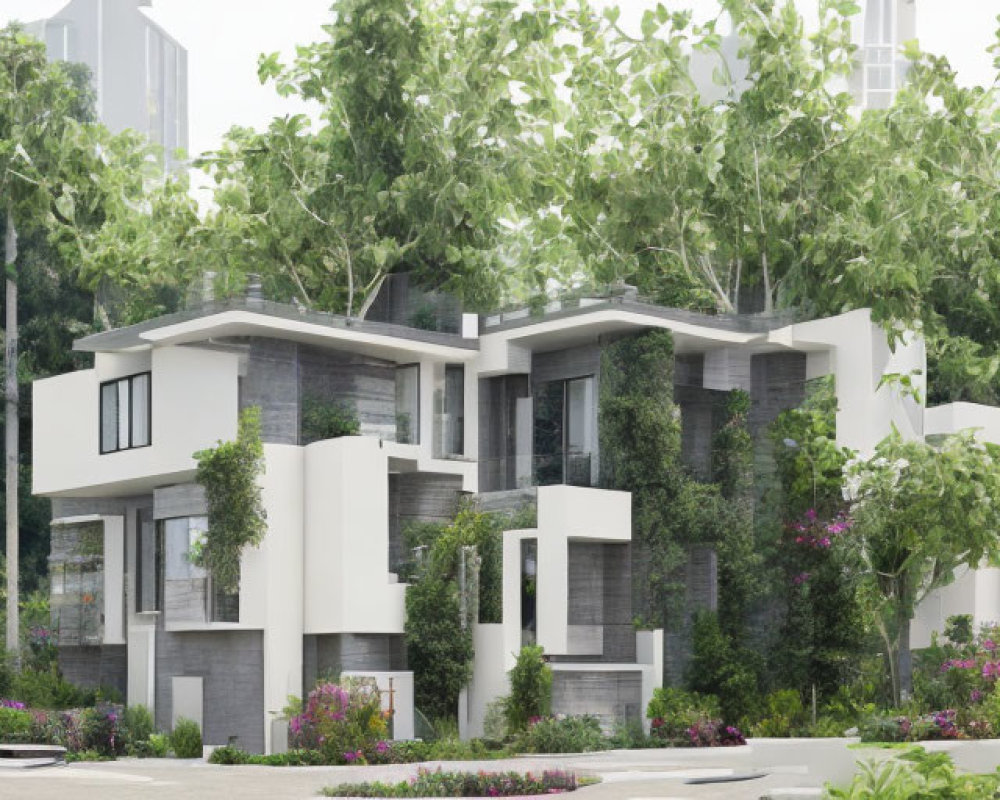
525,471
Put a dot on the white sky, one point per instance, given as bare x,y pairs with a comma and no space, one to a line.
224,37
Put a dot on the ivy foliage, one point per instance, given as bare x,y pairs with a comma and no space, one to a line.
823,629
640,444
236,516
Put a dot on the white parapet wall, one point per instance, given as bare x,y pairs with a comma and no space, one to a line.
489,680
856,351
193,405
348,588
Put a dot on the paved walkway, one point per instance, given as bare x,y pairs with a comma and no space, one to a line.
626,775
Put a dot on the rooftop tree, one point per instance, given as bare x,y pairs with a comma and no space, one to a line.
420,152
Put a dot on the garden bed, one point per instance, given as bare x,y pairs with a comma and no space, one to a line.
462,784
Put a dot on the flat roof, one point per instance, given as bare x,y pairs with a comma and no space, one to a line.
262,317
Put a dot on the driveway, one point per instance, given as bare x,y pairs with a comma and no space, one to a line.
625,774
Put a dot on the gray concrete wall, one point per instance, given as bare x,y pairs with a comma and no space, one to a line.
272,383
418,497
330,654
231,664
612,696
181,500
599,593
366,385
91,667
281,375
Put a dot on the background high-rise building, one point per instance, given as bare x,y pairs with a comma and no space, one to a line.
138,70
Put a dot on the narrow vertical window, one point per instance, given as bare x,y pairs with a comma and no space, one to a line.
408,404
125,413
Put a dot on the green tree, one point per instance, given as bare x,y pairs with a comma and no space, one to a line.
418,156
69,185
920,511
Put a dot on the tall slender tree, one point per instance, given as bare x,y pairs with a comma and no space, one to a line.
69,183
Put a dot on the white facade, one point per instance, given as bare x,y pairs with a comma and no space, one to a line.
321,588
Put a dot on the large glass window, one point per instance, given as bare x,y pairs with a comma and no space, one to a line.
125,413
564,431
408,404
189,594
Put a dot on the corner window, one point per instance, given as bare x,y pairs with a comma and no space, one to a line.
125,413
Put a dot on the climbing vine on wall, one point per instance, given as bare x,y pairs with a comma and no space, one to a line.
236,517
733,473
640,444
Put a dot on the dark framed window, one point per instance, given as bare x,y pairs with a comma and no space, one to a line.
408,404
126,413
148,563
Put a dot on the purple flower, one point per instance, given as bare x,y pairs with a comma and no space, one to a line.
381,747
801,578
350,756
975,696
990,645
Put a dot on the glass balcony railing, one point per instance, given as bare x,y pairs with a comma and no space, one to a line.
523,471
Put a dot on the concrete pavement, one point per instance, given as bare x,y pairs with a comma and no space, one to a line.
625,774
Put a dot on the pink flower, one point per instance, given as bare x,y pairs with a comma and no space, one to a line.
990,645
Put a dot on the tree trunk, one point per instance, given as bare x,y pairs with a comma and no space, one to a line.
905,666
10,438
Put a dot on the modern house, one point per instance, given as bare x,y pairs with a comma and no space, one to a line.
505,408
138,70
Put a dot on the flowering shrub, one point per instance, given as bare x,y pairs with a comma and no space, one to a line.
674,713
461,784
345,723
89,729
961,673
99,732
714,733
947,724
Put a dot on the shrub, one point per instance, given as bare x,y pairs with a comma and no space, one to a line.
438,649
530,688
915,774
714,733
136,726
495,720
674,711
48,689
568,735
322,419
186,739
228,755
340,721
786,716
15,725
159,745
99,731
461,784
